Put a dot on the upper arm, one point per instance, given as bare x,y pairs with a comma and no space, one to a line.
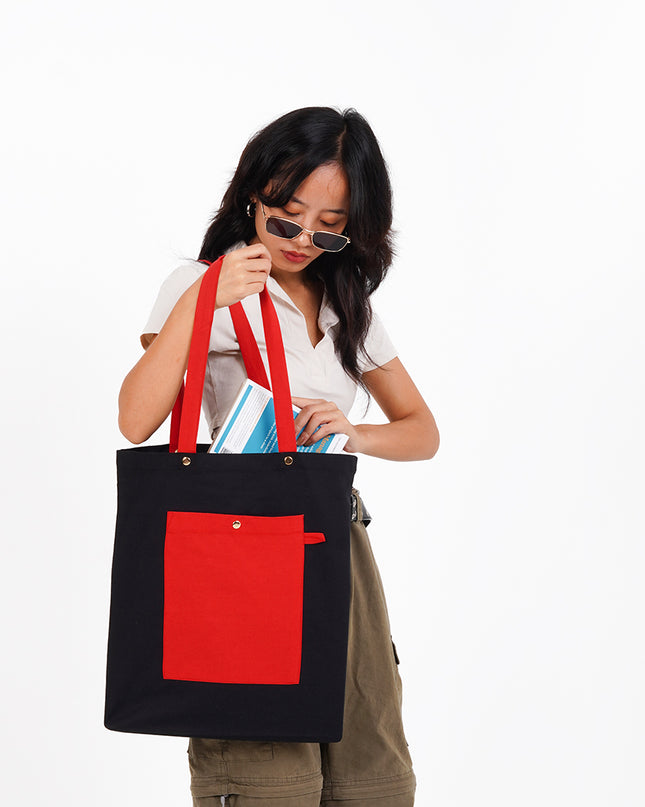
173,287
395,392
397,395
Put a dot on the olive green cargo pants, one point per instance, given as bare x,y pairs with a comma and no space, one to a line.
370,766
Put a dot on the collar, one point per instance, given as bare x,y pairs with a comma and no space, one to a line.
327,317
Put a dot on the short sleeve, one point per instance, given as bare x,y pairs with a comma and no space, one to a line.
378,347
171,290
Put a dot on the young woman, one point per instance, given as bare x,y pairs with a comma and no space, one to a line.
308,213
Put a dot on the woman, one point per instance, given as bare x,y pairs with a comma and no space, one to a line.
308,213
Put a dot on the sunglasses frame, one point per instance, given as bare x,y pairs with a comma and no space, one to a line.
311,233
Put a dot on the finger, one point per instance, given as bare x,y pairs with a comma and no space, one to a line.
254,251
252,288
311,405
256,276
311,411
301,402
300,421
313,430
323,431
304,419
323,424
258,265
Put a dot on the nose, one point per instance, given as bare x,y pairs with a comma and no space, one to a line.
304,239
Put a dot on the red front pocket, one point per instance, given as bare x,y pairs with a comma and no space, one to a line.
233,589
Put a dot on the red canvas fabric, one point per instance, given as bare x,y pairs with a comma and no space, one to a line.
233,596
253,363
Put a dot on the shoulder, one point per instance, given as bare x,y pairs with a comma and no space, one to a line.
187,273
175,284
182,277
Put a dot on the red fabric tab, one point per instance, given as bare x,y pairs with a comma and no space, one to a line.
233,594
314,537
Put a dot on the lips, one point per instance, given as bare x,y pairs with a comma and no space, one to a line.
295,257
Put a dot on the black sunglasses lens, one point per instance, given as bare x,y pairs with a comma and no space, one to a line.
282,228
331,242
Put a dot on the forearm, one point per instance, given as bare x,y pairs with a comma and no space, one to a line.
150,388
414,437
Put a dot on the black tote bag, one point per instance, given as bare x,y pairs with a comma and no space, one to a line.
230,576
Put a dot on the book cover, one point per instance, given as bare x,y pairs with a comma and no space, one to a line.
249,427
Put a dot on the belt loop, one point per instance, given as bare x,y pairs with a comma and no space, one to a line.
359,511
354,503
359,506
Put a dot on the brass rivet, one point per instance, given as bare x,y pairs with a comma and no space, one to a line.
288,460
186,461
237,525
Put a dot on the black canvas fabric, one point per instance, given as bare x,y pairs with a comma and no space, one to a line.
152,481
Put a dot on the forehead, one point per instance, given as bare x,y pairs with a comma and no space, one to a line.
326,188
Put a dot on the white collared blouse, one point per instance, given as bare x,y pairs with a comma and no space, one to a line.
314,372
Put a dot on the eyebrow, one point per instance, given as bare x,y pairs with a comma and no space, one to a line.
340,211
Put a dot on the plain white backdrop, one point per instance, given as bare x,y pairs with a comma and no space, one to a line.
513,561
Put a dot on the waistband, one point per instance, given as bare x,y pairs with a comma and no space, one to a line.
359,511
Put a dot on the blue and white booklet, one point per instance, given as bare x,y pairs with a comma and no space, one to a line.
249,427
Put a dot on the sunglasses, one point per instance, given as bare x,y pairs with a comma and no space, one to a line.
321,239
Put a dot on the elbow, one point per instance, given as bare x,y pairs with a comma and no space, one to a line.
131,430
433,443
432,438
133,420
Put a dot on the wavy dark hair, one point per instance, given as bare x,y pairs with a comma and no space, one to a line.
274,164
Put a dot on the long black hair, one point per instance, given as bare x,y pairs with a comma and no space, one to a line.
274,164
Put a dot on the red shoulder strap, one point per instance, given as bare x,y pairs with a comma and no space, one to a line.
190,406
251,357
186,411
253,363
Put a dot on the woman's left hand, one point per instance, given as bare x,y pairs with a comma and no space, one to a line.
323,418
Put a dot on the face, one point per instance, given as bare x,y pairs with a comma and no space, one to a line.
321,202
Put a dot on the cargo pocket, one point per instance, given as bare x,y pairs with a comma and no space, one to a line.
233,597
225,751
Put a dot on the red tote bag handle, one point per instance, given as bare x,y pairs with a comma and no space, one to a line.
185,415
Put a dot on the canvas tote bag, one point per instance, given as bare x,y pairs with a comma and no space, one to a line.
230,575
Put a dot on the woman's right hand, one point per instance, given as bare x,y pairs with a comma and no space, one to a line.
244,272
150,388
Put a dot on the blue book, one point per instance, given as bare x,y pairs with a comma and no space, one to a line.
249,427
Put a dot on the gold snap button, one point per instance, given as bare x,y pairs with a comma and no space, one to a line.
237,525
288,460
186,461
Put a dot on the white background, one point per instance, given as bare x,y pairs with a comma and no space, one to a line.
513,561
